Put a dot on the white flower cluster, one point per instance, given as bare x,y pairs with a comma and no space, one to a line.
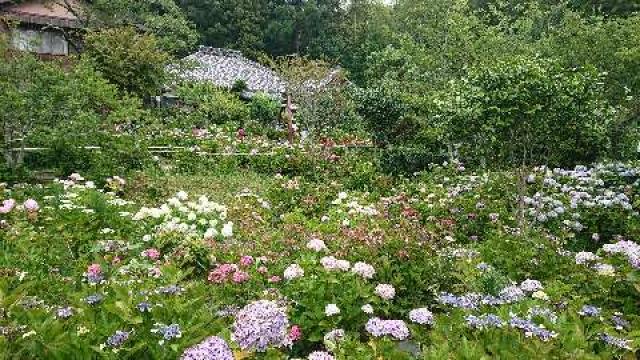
200,218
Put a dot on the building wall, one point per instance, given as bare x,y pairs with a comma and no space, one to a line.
44,42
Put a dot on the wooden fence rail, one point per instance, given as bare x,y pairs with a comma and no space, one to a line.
178,149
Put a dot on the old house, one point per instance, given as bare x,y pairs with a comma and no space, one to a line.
40,26
225,67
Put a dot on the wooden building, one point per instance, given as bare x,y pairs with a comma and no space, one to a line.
43,27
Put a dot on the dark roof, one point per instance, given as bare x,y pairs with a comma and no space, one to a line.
41,12
224,67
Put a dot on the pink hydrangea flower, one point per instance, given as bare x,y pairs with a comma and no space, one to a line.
240,277
7,206
94,269
151,253
31,205
274,279
246,260
221,273
295,333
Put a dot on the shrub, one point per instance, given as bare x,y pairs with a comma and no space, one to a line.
382,112
264,109
211,105
527,111
131,60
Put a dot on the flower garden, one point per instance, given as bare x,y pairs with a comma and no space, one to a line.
319,180
346,264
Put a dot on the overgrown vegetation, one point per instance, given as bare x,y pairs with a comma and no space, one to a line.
460,181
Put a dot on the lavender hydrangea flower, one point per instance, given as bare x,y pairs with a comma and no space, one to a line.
468,301
531,285
511,294
616,341
363,269
484,321
171,290
168,332
320,355
116,340
394,328
64,312
212,348
385,291
532,329
144,306
619,322
421,316
93,299
589,311
259,325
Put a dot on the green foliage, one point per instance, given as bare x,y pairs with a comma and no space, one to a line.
128,59
209,105
161,18
527,111
43,103
273,26
264,109
383,113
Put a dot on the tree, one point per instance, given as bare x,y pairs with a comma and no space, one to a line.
162,18
521,111
42,97
129,59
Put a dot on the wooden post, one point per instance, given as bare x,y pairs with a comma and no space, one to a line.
289,115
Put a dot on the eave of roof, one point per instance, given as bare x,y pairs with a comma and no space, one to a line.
37,12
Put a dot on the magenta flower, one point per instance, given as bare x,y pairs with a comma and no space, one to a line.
295,333
246,260
151,253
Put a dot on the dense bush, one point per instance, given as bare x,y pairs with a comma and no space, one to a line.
207,105
127,58
527,111
42,103
383,113
264,109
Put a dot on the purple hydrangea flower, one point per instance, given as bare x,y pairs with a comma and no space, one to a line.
171,290
116,340
259,325
168,332
616,341
589,311
394,328
484,321
144,306
467,301
619,322
212,348
531,329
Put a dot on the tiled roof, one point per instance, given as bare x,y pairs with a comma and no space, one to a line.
41,12
225,67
